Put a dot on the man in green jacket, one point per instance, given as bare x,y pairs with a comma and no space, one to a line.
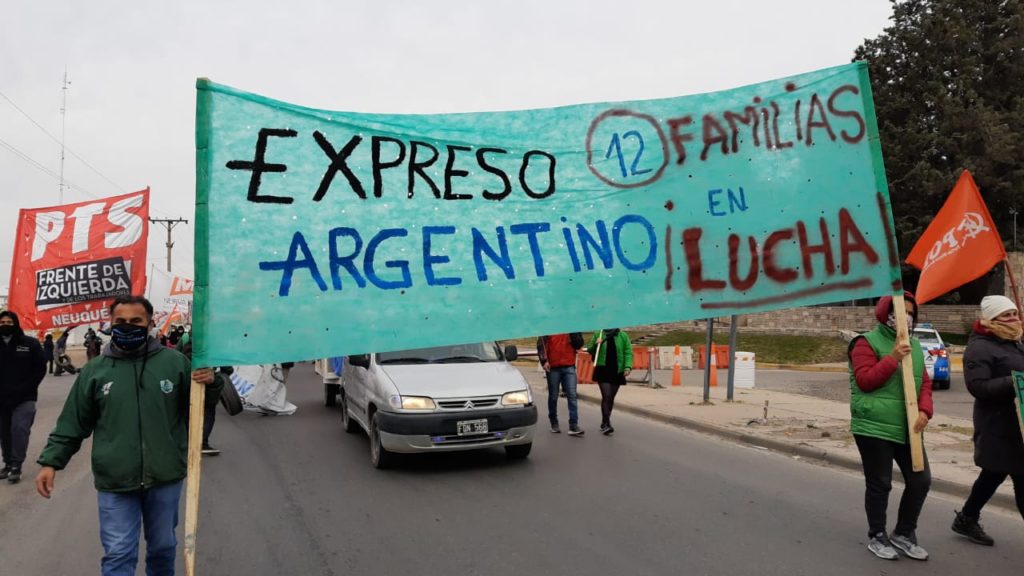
134,400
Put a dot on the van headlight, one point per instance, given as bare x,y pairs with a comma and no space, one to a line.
411,403
517,398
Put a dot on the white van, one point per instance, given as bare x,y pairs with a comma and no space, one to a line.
438,399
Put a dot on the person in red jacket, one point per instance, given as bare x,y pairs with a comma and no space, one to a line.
557,354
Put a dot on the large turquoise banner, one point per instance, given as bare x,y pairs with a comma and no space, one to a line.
324,233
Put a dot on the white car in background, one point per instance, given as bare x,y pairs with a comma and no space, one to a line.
439,399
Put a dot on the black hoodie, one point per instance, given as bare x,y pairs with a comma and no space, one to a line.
22,366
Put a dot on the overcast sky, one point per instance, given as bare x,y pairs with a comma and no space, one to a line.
132,66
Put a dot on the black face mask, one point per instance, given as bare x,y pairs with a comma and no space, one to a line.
128,336
7,330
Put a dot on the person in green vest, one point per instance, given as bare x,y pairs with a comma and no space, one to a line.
879,426
613,363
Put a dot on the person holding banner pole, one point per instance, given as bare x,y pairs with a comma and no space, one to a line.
134,400
993,352
613,361
880,428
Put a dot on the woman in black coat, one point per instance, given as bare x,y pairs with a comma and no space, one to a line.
993,351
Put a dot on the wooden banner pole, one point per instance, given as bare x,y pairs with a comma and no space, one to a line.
597,349
899,309
197,400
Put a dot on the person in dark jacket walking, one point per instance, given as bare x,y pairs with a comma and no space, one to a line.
210,409
613,363
22,368
60,352
879,425
48,352
93,344
557,354
134,400
993,351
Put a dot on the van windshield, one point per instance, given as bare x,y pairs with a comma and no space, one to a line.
462,353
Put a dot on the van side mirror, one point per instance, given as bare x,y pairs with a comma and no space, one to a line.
361,360
511,353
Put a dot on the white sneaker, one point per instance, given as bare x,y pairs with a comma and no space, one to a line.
908,545
880,546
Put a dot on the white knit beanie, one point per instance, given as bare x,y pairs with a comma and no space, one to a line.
992,306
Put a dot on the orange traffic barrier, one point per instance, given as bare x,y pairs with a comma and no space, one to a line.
641,358
713,367
584,368
677,371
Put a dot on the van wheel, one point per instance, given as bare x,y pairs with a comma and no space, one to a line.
350,425
379,457
518,451
331,394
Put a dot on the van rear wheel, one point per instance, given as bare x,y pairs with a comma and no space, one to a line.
379,457
518,451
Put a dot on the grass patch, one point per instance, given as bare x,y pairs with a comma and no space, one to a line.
955,339
774,349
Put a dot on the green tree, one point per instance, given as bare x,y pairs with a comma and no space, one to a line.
948,83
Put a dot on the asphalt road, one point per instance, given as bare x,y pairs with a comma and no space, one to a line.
296,495
956,401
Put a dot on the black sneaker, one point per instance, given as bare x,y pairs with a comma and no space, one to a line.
555,429
575,430
969,527
608,431
5,472
14,475
604,427
210,450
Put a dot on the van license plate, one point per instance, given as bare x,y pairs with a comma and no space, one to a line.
467,427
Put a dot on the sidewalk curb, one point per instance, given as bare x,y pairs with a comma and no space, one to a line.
947,487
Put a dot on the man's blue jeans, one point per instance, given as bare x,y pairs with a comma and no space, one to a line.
565,377
122,514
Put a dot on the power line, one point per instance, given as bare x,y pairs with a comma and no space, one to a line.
39,166
58,141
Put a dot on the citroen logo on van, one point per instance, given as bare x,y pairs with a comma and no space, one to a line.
469,405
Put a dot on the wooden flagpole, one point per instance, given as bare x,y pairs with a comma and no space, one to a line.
1013,281
197,400
899,309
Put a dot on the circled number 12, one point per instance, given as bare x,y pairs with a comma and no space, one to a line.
616,147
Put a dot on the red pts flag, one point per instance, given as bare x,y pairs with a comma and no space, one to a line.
71,261
959,245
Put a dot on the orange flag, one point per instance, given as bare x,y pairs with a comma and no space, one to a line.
959,245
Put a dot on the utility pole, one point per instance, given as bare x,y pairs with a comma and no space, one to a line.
169,224
63,116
